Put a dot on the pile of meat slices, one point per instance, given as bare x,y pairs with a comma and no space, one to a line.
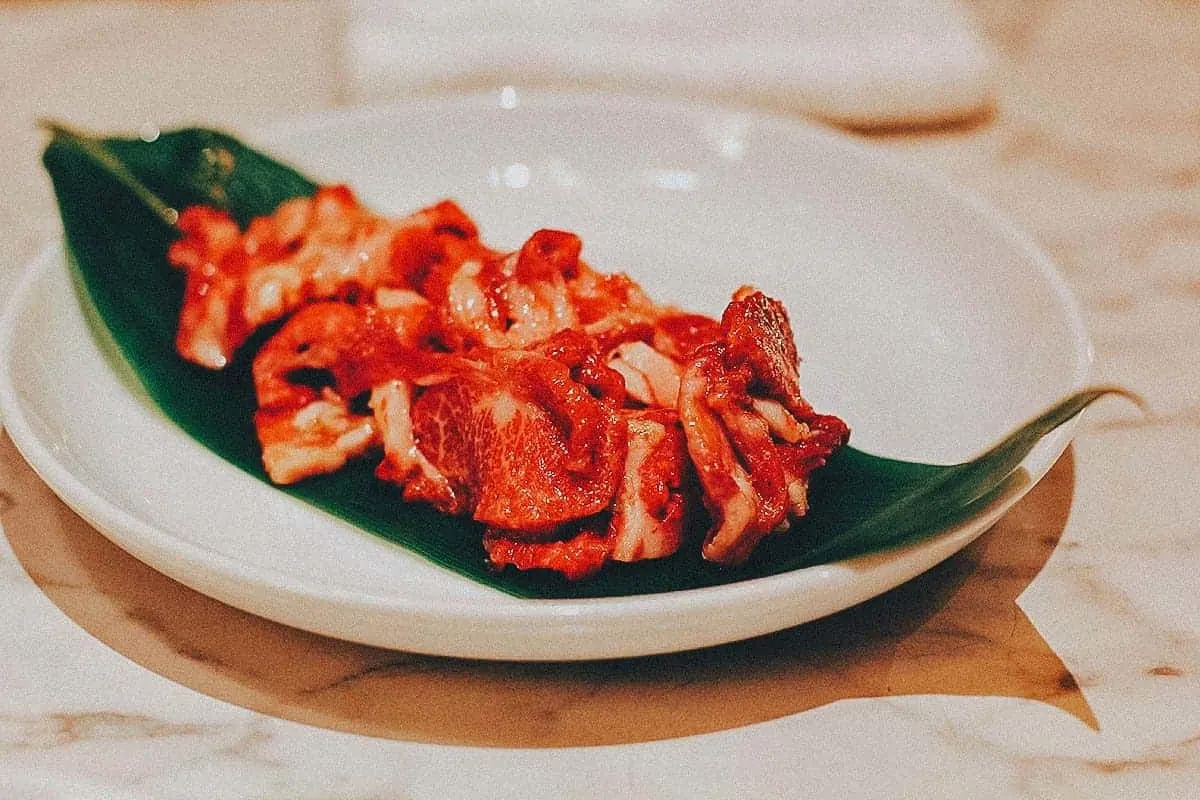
557,405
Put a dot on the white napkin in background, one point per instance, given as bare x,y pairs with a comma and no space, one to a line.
855,62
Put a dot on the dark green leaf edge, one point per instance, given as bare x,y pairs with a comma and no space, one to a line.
959,489
861,503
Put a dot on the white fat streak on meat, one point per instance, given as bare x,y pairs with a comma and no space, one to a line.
202,325
737,513
650,377
405,309
392,404
616,321
797,491
206,344
292,218
555,310
269,291
636,384
323,264
532,312
636,305
503,408
638,533
202,330
768,418
535,311
745,426
749,428
716,462
782,424
399,299
320,268
316,439
786,428
468,304
366,261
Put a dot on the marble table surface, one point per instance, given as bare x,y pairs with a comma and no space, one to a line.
1058,657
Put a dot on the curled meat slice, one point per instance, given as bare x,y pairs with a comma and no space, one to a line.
304,425
648,515
758,335
522,444
307,375
323,247
751,436
514,300
729,494
650,377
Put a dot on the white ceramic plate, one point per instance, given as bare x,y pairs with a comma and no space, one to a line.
928,323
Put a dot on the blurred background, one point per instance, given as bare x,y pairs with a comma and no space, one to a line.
116,65
1077,118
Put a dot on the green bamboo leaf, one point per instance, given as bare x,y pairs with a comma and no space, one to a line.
118,199
946,494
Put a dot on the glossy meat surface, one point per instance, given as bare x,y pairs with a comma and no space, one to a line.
319,248
559,406
751,436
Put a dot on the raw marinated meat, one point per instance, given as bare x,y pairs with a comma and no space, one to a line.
324,247
559,406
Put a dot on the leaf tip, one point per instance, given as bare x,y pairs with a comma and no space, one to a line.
57,129
1104,390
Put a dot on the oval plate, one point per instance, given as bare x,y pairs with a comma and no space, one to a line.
924,320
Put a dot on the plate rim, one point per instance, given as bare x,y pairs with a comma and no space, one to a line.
120,526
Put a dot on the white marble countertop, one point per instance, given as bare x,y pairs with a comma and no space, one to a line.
110,673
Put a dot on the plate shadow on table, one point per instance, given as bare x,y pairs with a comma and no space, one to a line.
954,630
